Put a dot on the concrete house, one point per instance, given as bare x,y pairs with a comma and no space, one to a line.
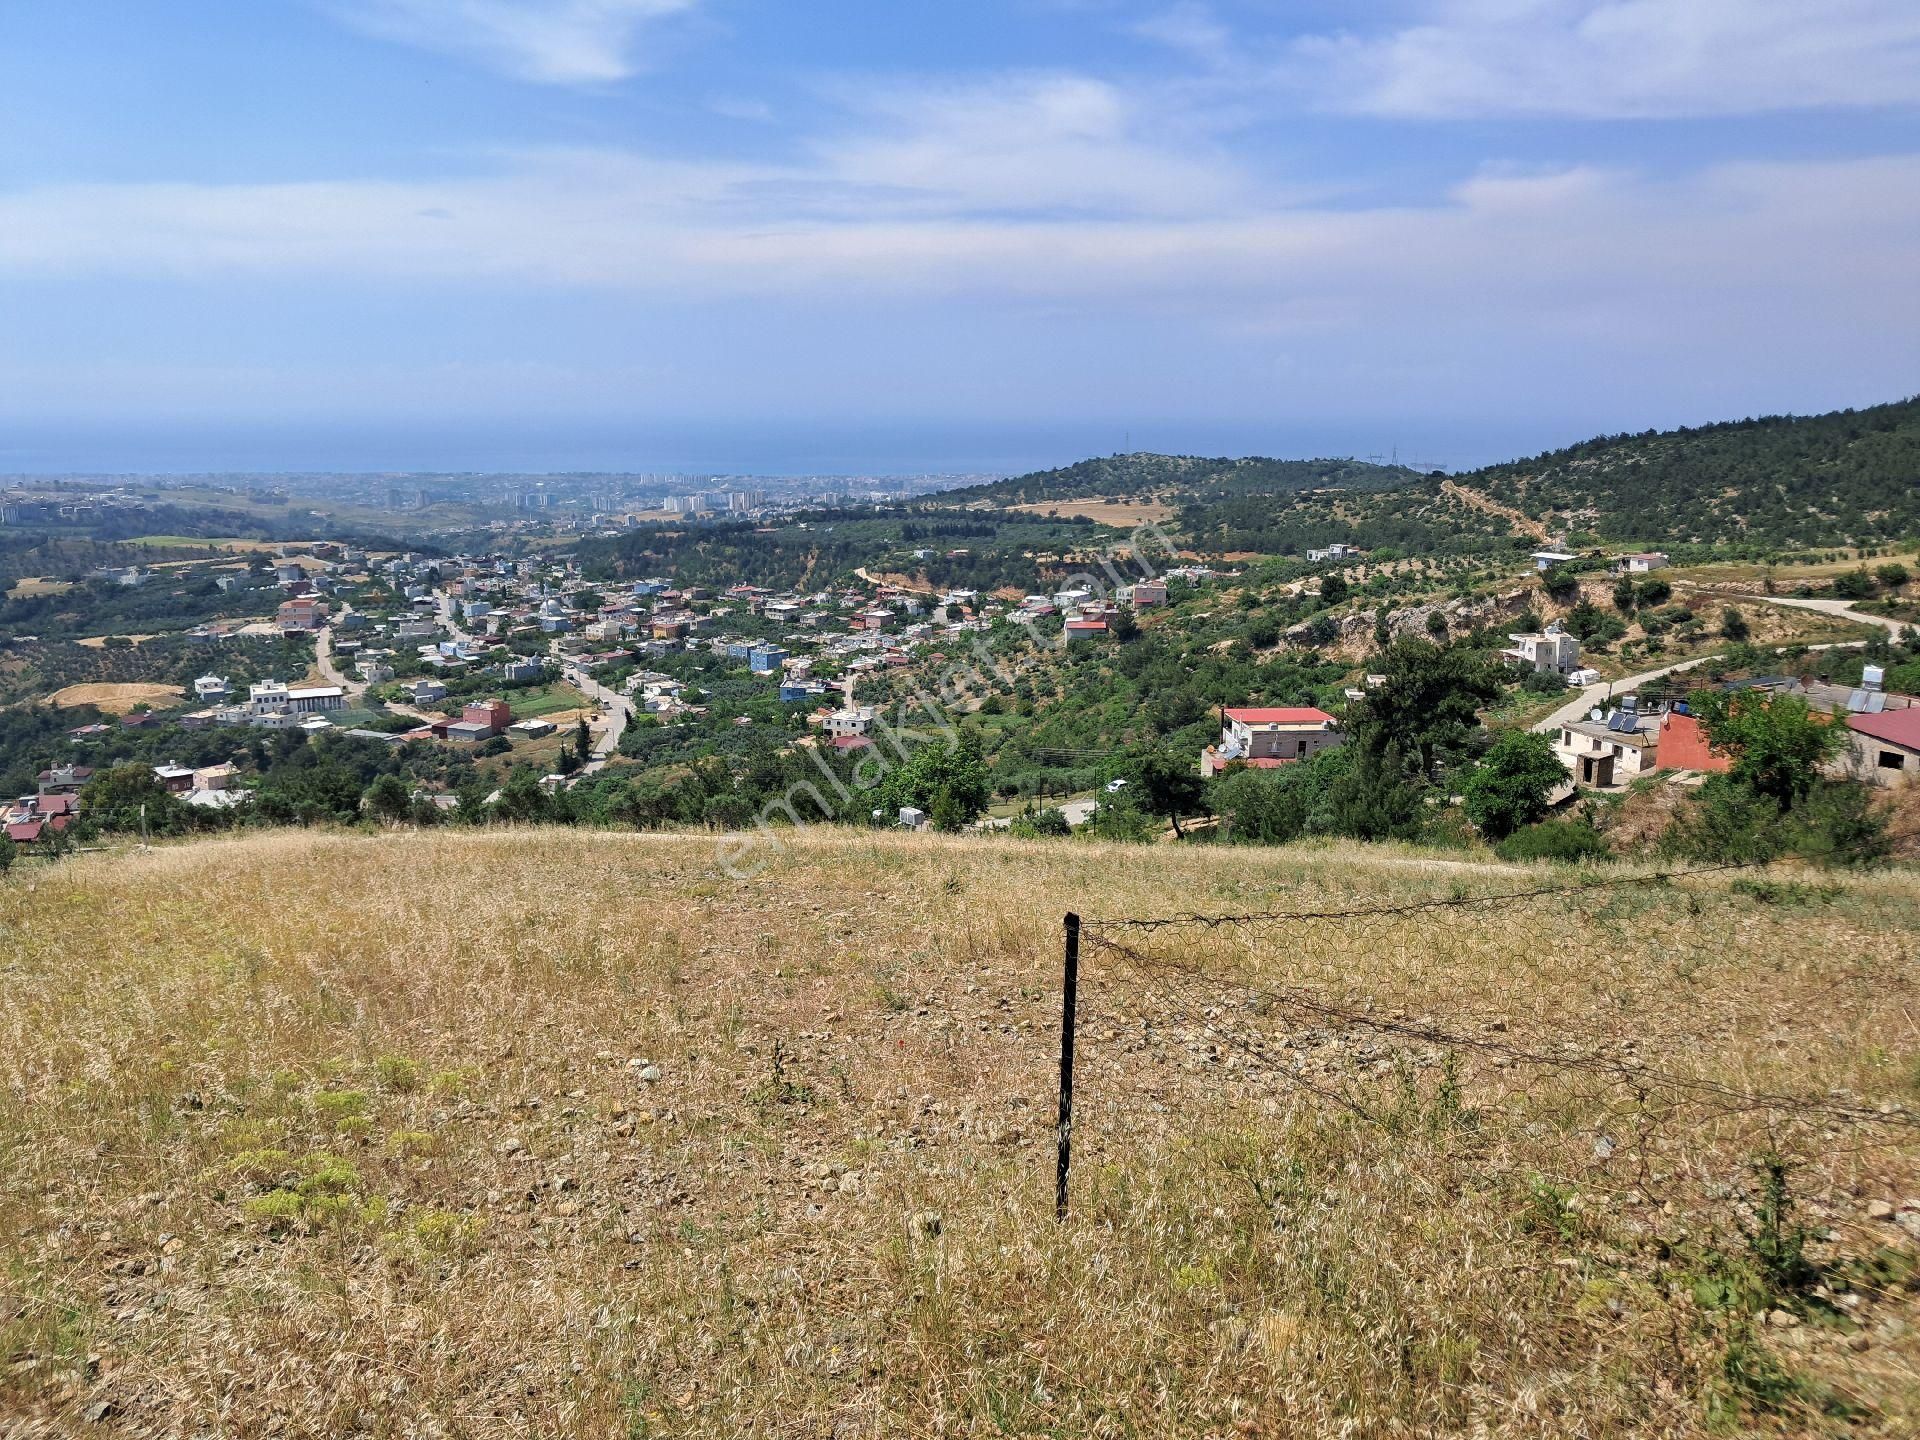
1551,651
1610,750
1265,737
1885,747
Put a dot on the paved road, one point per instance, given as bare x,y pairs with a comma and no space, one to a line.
323,660
449,619
1599,694
615,711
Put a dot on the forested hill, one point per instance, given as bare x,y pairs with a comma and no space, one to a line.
1853,475
1178,479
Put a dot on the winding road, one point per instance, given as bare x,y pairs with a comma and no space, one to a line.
1599,694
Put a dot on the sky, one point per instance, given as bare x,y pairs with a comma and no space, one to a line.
902,235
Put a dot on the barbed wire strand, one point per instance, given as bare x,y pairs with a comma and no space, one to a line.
1267,917
1727,1099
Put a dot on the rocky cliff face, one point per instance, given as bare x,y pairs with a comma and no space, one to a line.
1356,631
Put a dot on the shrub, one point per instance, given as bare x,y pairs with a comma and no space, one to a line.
1569,842
1041,824
397,1073
1509,788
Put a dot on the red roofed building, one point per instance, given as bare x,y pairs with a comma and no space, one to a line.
1886,747
29,819
1265,737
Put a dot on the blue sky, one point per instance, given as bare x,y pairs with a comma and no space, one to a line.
737,234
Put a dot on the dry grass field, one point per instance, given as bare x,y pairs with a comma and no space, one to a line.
563,1133
115,699
1122,514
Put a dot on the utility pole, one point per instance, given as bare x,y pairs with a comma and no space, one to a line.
1069,996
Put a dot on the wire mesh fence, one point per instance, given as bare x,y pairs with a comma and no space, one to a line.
1638,1043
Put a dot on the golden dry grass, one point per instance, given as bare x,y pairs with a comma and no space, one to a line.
115,699
1122,514
99,642
310,1134
32,585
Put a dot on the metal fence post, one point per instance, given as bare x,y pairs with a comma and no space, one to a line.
1069,996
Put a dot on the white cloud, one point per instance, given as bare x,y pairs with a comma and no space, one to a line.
1620,59
562,42
1049,143
1744,247
1510,292
1192,29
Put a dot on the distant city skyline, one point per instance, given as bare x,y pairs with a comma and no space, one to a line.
690,452
735,235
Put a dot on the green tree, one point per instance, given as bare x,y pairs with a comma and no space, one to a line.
1623,594
582,740
1892,574
1560,583
113,801
9,852
1655,592
953,775
387,798
1168,784
1427,703
1510,786
1333,589
521,798
1776,742
1733,624
1854,585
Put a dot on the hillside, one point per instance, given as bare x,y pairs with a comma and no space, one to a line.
1184,478
536,1132
1852,476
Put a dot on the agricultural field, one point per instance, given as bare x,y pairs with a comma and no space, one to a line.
723,1157
1122,514
558,702
116,699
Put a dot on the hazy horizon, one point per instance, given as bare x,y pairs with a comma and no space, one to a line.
995,231
771,448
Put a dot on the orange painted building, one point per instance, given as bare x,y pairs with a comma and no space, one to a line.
1683,746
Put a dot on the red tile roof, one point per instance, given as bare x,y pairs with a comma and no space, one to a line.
24,832
1281,715
1901,727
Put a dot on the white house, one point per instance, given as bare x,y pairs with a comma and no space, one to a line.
1612,749
1547,559
1641,563
1551,651
1265,737
849,720
211,688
